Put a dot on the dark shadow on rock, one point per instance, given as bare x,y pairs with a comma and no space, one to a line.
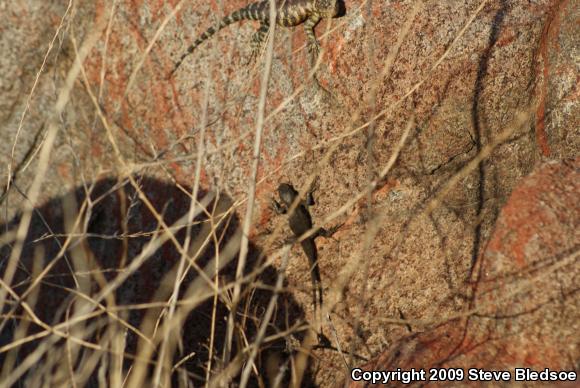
480,138
116,226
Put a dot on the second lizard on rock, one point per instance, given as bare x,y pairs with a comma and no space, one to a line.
300,223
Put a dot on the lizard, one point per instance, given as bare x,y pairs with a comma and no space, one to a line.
290,13
300,222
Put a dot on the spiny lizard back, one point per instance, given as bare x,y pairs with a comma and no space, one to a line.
289,13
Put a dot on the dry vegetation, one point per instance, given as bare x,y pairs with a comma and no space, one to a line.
128,275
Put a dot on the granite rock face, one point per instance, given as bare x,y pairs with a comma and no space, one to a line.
524,311
411,251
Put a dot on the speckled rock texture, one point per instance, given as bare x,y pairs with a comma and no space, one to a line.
524,313
405,263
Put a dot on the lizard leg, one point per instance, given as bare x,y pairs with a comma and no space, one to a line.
258,40
313,46
309,201
278,208
328,233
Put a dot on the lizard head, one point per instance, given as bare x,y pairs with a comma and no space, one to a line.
331,8
287,193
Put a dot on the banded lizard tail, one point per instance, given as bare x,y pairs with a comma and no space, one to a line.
290,13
